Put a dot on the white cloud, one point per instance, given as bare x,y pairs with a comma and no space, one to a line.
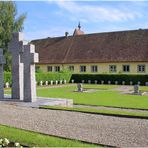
95,13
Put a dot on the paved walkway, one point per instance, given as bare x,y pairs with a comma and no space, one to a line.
122,132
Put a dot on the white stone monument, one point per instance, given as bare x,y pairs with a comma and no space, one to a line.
61,82
51,82
41,83
46,83
2,62
29,58
7,85
16,47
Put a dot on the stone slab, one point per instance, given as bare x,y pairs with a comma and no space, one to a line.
40,102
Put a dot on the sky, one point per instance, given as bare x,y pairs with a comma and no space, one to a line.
54,18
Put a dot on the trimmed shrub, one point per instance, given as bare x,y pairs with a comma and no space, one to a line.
7,77
110,77
43,77
53,76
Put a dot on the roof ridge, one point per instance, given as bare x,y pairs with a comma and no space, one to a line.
89,34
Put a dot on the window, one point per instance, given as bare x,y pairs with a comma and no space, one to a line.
140,68
57,68
37,68
112,68
94,68
71,68
126,68
82,68
49,68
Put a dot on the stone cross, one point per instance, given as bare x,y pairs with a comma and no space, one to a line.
29,58
2,62
16,47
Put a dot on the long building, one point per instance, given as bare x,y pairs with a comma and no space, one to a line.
110,52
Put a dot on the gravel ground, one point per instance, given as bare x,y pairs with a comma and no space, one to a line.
115,131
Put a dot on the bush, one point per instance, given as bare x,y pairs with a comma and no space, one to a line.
53,76
63,75
110,77
7,77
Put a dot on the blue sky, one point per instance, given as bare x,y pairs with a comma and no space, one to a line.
54,18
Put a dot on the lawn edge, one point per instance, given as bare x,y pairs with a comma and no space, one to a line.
111,106
64,138
95,113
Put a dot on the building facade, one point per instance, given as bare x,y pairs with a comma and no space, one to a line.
112,52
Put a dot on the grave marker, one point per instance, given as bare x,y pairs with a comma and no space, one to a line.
2,62
16,47
29,58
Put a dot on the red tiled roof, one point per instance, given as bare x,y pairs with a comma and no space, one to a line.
78,32
122,46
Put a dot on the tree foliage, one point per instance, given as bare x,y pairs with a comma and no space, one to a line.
9,23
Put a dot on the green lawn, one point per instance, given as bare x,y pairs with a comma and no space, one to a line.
104,96
98,111
33,139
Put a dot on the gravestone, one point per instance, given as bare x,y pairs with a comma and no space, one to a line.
15,47
56,82
46,83
7,84
61,82
131,83
51,82
116,82
102,82
123,82
79,86
65,81
136,89
109,82
2,62
41,83
29,58
89,81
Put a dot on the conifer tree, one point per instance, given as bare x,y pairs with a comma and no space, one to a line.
9,23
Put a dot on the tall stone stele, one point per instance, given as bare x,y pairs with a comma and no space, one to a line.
2,62
29,58
16,48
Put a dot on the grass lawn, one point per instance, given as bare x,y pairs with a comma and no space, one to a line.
104,96
32,139
98,111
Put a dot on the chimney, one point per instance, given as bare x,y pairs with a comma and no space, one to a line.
66,34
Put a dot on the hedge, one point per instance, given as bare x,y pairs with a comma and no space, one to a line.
53,76
110,77
79,77
7,77
43,77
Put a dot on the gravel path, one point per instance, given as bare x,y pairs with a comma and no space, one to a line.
115,131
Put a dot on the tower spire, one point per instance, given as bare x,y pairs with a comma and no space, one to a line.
79,26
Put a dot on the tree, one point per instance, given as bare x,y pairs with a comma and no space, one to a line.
9,24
